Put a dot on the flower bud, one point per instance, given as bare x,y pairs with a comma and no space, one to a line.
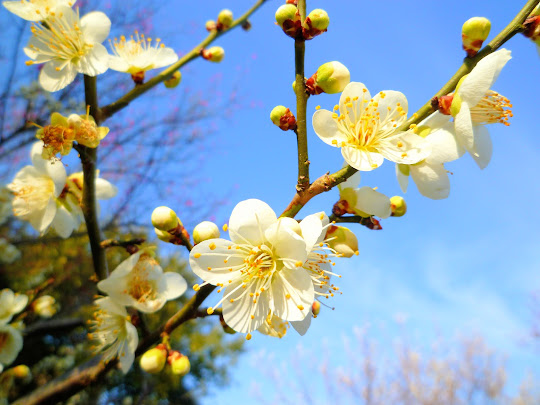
398,206
204,231
473,34
288,18
246,25
213,54
283,118
45,306
315,24
316,308
532,27
165,219
342,240
179,363
21,371
174,80
153,360
210,25
225,19
167,237
331,78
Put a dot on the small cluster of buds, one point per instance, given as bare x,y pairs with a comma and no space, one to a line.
224,21
283,118
214,54
153,361
473,34
168,226
289,19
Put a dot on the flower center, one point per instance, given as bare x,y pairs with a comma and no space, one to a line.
135,46
259,263
139,286
59,39
55,137
491,109
364,125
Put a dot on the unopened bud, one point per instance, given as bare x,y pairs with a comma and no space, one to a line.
316,23
174,80
204,231
210,25
246,25
45,306
165,219
213,54
532,27
21,371
138,77
166,236
398,206
153,360
288,18
282,117
225,19
331,78
316,308
342,240
473,34
179,363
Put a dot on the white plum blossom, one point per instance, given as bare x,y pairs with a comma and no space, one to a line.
139,281
474,105
11,343
137,54
430,175
261,269
69,45
365,128
10,304
114,333
363,201
35,10
35,190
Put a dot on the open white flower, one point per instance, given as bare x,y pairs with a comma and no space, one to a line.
138,55
365,128
363,201
260,268
430,175
35,10
114,333
10,304
35,189
139,281
11,343
474,105
69,46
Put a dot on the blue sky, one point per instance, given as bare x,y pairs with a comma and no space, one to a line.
463,265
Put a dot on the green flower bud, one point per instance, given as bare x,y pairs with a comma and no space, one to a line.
282,117
165,219
225,19
174,80
153,360
331,78
213,54
319,19
342,240
210,25
286,12
165,236
316,308
473,34
204,231
180,364
398,206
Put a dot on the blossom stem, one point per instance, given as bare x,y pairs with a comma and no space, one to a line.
513,28
88,158
165,74
301,106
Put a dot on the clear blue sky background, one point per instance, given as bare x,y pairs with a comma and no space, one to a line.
467,264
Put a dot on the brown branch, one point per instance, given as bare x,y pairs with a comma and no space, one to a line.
108,243
52,327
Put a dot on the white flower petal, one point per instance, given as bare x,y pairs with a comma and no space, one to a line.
444,145
287,245
42,223
96,27
164,57
297,284
302,326
403,179
94,62
431,180
435,120
125,267
362,160
249,220
327,129
483,147
482,77
19,303
127,355
213,253
372,202
237,314
12,344
117,63
107,304
352,90
312,229
54,80
23,9
63,223
351,182
387,107
464,127
407,148
175,285
104,189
